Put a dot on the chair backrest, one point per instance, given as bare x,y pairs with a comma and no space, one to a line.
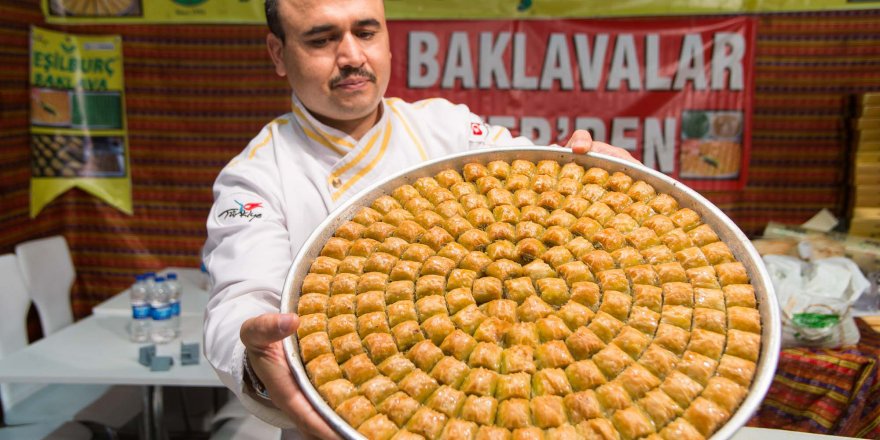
13,326
48,275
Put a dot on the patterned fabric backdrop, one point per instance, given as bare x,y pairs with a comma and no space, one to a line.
195,96
826,391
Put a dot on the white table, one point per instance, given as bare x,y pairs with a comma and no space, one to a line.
193,297
96,350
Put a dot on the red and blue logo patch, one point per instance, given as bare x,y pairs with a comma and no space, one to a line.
247,210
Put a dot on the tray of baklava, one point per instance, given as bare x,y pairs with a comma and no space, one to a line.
531,293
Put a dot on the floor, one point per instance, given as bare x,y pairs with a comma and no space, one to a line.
188,413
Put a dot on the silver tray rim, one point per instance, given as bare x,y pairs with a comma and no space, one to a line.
726,229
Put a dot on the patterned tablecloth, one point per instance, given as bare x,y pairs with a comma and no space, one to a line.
827,391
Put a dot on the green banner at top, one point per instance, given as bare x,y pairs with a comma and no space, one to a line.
251,11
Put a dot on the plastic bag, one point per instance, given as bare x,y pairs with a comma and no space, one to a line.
816,299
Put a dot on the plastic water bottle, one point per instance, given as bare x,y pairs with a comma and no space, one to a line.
140,310
174,289
150,281
160,330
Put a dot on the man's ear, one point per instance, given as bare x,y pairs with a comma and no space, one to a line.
276,52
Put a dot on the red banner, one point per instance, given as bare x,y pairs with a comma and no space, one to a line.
677,93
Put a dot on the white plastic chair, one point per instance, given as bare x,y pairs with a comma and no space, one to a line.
48,273
13,337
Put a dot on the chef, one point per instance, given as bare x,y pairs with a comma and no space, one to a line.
341,135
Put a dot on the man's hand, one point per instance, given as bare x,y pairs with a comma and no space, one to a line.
581,142
262,337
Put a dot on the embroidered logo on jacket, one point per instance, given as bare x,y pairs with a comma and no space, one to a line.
476,129
243,210
478,132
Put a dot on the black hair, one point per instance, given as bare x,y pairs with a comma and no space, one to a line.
273,20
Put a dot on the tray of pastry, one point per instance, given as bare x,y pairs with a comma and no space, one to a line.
528,293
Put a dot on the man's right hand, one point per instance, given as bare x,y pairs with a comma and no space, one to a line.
262,337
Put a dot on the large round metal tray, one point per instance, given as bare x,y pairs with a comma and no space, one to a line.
729,233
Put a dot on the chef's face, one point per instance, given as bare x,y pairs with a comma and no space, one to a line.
336,56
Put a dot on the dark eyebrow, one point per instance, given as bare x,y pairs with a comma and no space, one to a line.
368,22
318,30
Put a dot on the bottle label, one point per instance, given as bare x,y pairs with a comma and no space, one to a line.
161,313
175,308
140,311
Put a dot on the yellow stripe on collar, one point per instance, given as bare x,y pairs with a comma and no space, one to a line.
408,130
327,137
357,159
501,130
423,103
360,174
279,121
317,138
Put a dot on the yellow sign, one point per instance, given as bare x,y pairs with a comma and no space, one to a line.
78,127
251,11
154,11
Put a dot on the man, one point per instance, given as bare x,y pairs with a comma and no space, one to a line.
340,137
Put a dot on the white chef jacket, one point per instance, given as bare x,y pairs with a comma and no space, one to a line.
270,198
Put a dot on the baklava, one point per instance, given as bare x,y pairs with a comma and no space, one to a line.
521,300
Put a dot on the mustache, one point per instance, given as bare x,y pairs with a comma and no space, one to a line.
353,71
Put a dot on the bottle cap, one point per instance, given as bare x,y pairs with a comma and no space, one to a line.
171,276
160,279
140,277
